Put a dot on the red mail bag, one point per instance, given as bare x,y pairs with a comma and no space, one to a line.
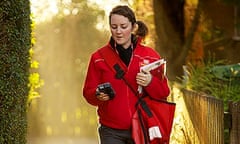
162,116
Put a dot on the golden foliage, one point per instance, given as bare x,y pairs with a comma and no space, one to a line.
34,78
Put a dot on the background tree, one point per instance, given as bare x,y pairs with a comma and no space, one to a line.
221,34
15,36
169,26
170,33
186,31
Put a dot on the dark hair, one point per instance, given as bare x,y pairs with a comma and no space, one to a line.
128,13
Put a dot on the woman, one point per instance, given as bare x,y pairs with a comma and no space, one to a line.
116,110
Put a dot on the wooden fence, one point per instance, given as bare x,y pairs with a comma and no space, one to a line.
207,116
234,129
209,119
201,119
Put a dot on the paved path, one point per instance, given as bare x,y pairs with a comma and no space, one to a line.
61,140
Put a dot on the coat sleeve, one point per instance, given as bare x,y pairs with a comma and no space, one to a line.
158,87
91,82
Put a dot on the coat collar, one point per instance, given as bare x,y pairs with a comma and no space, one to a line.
135,40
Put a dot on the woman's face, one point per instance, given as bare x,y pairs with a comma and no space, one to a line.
121,29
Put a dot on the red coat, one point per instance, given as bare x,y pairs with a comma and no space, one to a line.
118,112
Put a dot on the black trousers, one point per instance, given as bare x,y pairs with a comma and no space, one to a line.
114,136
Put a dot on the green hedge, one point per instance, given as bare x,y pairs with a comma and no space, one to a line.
15,42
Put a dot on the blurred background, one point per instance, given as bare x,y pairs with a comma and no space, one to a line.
68,31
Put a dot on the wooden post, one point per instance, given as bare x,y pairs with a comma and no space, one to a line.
234,108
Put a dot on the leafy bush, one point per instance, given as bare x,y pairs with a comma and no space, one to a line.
214,78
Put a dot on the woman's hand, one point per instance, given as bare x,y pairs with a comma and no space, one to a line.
143,78
103,97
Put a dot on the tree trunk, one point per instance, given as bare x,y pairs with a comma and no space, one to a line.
174,40
169,23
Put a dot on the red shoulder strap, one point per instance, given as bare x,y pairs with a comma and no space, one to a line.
113,62
111,59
